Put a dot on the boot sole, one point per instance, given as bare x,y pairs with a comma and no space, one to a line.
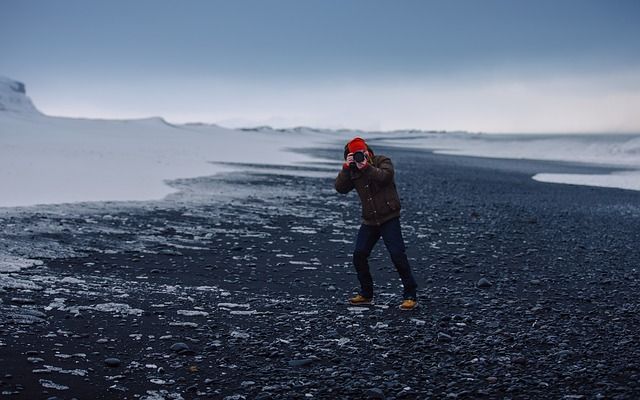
409,309
365,303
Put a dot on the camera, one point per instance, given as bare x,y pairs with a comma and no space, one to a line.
358,157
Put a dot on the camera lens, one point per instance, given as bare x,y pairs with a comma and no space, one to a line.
358,156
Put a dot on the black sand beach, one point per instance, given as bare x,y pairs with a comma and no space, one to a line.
211,296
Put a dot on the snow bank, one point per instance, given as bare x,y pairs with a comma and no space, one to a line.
46,160
604,149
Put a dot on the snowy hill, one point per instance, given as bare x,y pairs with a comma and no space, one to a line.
13,97
48,160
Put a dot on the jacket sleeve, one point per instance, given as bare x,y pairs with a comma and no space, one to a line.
344,184
382,174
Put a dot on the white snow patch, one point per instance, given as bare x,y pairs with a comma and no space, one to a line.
233,305
51,385
8,282
161,395
239,335
14,264
48,368
68,279
193,313
119,308
243,312
184,324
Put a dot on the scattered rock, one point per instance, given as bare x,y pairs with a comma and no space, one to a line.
445,338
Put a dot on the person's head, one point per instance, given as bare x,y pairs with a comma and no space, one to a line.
357,144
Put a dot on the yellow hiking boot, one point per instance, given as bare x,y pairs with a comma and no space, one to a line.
360,300
408,304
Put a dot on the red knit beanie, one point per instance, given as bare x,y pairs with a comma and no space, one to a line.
357,144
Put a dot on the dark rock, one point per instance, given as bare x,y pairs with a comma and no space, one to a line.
301,363
484,283
22,300
374,393
182,348
112,362
179,346
445,338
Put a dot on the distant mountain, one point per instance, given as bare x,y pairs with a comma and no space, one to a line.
13,97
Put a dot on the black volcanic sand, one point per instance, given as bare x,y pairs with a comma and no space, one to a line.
245,298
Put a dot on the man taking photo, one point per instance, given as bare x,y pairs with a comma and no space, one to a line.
373,178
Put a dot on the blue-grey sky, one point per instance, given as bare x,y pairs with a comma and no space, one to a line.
492,65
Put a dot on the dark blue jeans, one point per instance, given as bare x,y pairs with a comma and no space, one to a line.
392,235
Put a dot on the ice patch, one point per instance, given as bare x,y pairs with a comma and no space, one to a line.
239,335
193,313
7,282
243,312
184,324
48,369
161,395
15,264
119,308
233,305
51,385
304,230
69,279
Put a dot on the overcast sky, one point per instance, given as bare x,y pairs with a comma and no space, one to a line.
493,66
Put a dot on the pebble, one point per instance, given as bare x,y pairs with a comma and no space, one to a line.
22,300
443,337
112,362
374,393
181,348
300,363
484,283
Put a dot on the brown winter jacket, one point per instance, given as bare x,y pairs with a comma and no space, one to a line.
377,190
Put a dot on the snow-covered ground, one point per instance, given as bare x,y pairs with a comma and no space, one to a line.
45,160
618,150
48,160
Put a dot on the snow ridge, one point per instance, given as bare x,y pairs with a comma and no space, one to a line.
13,97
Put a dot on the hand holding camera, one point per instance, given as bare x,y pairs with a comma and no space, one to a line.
358,160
